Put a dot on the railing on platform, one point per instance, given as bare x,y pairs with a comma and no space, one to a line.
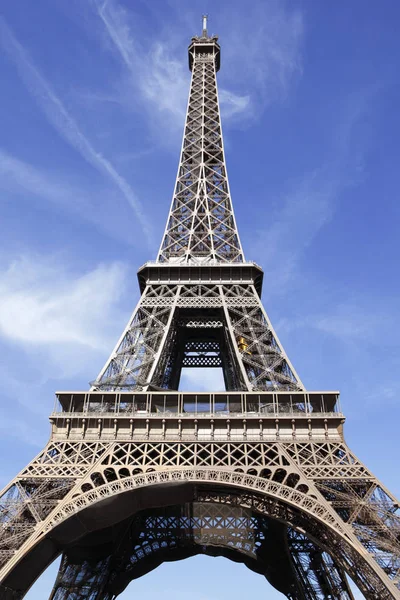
187,404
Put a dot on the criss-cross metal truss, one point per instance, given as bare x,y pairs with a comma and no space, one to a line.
137,473
201,225
172,318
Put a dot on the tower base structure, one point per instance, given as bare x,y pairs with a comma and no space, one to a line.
129,480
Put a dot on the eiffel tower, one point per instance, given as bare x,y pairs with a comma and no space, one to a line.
137,472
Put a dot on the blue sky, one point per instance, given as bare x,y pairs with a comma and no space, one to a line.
92,110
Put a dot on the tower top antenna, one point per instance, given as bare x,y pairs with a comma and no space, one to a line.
205,17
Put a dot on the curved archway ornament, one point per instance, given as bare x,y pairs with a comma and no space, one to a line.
259,473
267,497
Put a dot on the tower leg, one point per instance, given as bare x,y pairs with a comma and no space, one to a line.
83,581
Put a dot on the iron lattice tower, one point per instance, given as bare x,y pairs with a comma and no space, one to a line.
136,472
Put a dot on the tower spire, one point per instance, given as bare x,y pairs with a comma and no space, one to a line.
201,226
205,18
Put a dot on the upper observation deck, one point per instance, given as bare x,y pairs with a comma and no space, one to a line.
205,45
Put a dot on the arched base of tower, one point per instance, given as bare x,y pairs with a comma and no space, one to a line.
140,544
121,537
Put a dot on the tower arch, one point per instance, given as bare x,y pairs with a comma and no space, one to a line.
84,513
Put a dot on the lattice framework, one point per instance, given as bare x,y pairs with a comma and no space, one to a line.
201,224
148,349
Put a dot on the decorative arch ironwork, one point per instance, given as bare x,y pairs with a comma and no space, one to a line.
303,512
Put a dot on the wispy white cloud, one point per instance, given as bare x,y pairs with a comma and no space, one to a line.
55,324
232,104
299,214
349,322
357,339
57,314
58,115
262,50
294,224
17,174
159,78
164,82
386,391
95,204
159,74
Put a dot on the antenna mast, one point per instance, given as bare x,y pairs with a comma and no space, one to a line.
204,34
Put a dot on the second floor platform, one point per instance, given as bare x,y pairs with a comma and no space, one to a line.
190,416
